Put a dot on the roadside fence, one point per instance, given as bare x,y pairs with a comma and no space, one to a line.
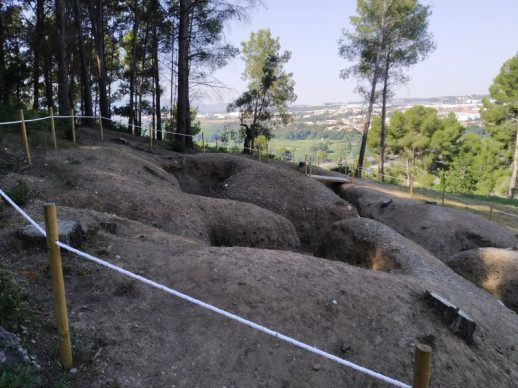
422,355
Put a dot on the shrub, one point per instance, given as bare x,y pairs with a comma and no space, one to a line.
178,146
20,193
12,303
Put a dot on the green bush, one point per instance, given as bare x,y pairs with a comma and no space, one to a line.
12,303
13,376
178,146
20,193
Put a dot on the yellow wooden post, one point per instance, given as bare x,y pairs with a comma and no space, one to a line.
310,166
267,154
423,356
318,161
25,141
150,137
101,125
490,213
58,286
73,126
443,193
411,186
258,153
352,175
203,142
52,127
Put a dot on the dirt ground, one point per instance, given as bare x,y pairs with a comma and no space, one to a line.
241,235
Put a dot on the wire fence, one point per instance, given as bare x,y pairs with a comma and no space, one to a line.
210,307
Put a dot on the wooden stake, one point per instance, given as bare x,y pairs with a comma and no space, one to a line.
423,356
267,154
58,286
490,213
52,127
203,142
310,166
73,126
352,175
25,142
259,153
150,137
411,186
101,125
443,193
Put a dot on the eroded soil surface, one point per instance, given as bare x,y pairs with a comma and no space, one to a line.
241,235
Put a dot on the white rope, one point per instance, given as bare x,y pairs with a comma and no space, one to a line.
235,317
40,229
507,214
10,122
174,133
38,119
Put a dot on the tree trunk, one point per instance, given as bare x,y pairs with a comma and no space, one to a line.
63,87
133,70
156,73
512,183
372,97
85,79
38,36
95,8
383,119
248,139
4,92
183,124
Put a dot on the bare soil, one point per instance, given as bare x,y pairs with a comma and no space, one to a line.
241,235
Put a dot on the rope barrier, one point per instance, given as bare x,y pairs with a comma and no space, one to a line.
10,122
234,317
217,310
10,201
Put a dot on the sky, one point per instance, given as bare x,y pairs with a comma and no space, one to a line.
474,38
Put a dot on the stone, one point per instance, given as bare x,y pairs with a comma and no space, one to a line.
458,321
120,140
11,350
386,202
70,233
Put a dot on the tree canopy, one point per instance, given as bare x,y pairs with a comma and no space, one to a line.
104,57
270,87
388,36
500,115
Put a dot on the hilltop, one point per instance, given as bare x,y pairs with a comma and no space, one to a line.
254,239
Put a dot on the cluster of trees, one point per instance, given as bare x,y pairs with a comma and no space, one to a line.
440,152
388,37
86,53
301,131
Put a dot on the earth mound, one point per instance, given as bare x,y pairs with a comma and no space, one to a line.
141,215
440,230
494,270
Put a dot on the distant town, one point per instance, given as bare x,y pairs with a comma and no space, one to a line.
350,116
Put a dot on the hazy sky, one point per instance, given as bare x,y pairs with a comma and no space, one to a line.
474,38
